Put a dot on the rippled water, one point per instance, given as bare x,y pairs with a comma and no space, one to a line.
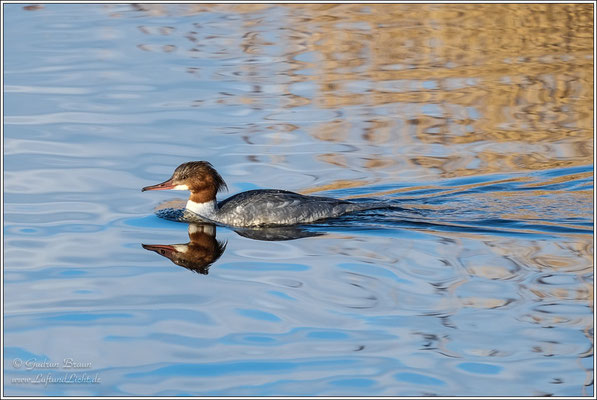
475,121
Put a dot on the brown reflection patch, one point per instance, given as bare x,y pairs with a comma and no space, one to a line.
334,131
33,7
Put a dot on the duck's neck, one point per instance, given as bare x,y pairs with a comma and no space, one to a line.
206,209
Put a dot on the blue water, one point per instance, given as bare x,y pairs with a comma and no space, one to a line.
478,280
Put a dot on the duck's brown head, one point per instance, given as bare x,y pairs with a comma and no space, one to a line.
199,177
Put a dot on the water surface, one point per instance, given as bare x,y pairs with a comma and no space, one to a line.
475,121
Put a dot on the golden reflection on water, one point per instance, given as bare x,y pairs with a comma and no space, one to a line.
501,87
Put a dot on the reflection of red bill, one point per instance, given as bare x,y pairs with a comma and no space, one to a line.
163,249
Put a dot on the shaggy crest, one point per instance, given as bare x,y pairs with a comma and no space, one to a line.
199,168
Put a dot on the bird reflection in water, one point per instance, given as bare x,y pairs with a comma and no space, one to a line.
204,249
198,254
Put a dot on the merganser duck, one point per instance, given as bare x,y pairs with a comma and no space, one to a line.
264,207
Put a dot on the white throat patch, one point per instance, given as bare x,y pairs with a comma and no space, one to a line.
206,209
